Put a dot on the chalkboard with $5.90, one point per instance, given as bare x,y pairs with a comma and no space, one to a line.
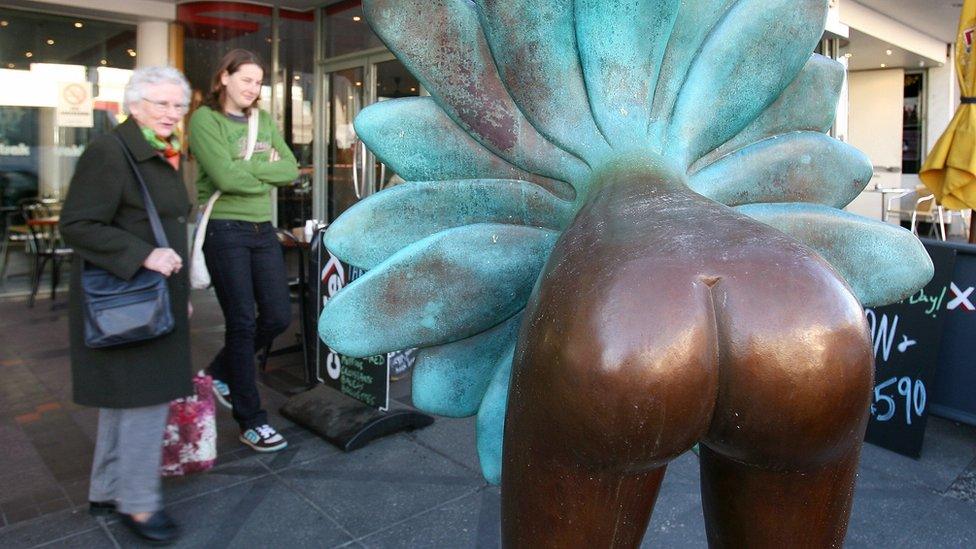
906,338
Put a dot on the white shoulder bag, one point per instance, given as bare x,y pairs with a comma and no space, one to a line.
199,275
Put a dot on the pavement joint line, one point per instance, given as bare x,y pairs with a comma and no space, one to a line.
115,542
301,495
63,538
420,513
411,436
911,481
215,490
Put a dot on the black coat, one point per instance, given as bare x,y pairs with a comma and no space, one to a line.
104,220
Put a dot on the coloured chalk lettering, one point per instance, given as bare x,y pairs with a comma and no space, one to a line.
906,338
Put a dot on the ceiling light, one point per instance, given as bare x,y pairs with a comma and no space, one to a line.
884,65
357,18
50,41
79,24
298,77
131,52
10,65
4,23
848,55
103,62
28,54
887,52
359,83
413,89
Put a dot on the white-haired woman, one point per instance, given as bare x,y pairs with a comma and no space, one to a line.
104,220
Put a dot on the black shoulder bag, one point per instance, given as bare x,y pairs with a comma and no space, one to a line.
120,311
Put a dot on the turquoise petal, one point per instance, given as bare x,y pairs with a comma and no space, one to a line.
808,104
447,287
450,380
491,420
732,80
795,167
381,225
881,262
442,44
534,46
400,132
621,46
695,21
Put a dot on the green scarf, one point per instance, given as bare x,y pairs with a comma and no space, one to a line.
169,147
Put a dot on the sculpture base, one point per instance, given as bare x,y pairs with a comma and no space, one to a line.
346,422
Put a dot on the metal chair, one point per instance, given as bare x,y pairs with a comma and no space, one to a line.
14,232
44,243
927,207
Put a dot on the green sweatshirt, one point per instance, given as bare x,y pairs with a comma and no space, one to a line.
219,144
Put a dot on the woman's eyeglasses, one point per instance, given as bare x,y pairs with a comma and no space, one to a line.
160,107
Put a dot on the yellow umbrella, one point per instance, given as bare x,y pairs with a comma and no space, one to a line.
950,169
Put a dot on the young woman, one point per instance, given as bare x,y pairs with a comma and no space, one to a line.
241,249
104,220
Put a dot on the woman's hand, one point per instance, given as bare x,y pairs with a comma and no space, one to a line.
164,261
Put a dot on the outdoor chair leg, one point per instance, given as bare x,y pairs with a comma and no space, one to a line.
4,252
39,263
55,277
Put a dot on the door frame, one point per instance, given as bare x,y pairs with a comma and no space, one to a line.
367,60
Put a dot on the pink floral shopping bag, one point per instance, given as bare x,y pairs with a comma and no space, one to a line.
190,440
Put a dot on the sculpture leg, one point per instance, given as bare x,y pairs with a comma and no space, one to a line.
748,506
571,507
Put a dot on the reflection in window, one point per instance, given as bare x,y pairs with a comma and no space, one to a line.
38,152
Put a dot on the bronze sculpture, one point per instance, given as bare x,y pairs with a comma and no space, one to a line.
622,225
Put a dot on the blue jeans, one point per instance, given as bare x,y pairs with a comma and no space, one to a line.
248,272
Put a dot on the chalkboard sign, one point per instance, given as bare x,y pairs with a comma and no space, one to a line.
364,379
906,339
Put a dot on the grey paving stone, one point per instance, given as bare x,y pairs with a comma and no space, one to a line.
885,508
470,521
92,539
949,448
452,437
178,489
948,523
47,528
259,513
385,482
964,488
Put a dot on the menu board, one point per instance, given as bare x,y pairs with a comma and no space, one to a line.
906,338
364,379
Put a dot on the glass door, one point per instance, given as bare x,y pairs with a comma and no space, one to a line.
352,83
343,150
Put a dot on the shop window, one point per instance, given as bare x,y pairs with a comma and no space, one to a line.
346,30
211,29
47,61
913,120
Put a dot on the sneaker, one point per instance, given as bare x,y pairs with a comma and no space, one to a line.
264,439
222,393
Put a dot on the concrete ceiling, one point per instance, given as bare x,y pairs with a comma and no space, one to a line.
936,18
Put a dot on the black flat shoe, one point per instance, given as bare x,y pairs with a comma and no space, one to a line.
101,508
158,529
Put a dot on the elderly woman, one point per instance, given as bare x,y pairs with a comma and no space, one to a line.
104,219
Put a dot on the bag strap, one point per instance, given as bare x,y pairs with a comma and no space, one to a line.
252,131
154,221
